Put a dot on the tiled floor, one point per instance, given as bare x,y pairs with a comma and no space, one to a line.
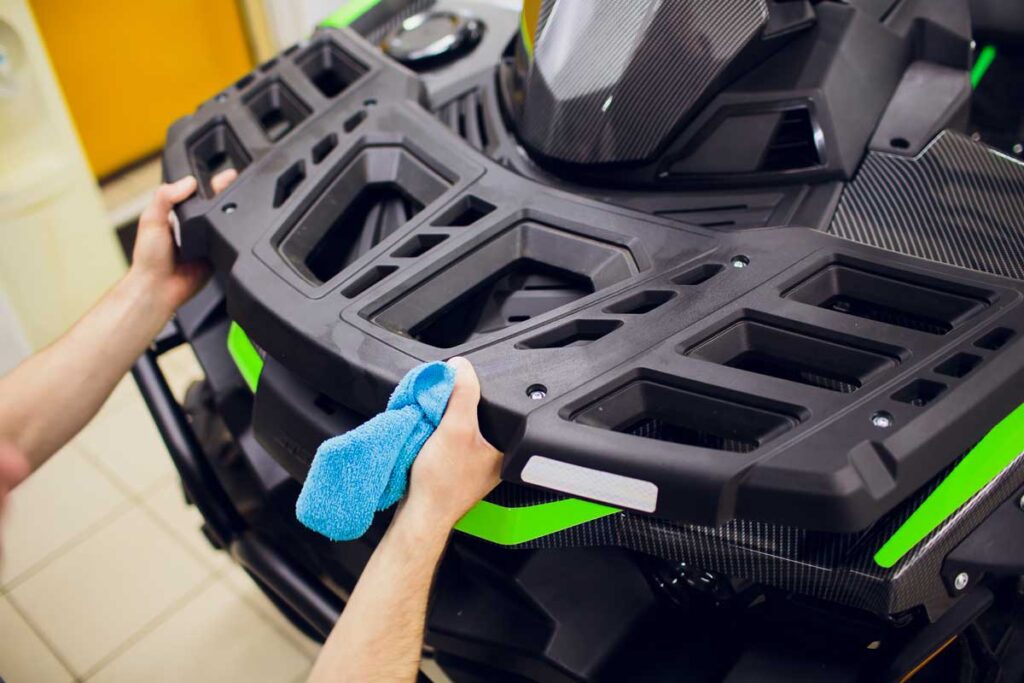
106,576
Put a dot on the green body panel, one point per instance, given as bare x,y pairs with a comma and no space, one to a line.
245,355
982,464
982,64
511,526
348,12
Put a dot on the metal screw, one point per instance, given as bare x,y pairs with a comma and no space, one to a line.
221,97
740,262
228,208
1021,502
1018,149
961,581
537,392
882,420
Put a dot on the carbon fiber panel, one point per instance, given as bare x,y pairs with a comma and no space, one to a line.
837,568
958,202
610,80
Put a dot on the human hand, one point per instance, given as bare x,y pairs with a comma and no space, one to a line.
153,261
13,469
456,466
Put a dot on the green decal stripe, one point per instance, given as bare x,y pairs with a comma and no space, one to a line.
348,12
511,526
982,64
245,355
982,464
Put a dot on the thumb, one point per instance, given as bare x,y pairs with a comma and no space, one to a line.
465,396
167,195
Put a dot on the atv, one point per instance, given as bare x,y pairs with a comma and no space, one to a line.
744,284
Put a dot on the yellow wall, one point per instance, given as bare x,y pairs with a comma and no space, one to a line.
128,69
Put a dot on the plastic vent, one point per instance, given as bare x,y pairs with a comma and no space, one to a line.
465,116
793,145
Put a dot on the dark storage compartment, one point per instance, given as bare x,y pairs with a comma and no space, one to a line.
330,69
214,149
522,273
768,350
695,416
374,195
374,213
912,303
276,108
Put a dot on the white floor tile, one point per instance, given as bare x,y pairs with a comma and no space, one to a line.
432,671
91,599
168,503
23,656
243,584
217,636
124,441
59,503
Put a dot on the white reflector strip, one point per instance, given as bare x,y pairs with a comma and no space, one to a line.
614,489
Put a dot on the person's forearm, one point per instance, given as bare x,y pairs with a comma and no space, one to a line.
46,400
380,634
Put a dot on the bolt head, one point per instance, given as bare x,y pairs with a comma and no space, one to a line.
961,581
882,420
1021,502
537,392
740,262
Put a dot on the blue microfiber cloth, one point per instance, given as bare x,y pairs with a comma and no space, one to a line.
367,469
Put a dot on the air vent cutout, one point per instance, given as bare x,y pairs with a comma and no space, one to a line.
793,144
465,116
